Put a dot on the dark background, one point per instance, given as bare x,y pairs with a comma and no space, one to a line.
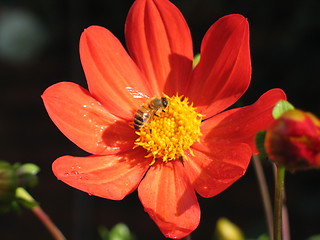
285,48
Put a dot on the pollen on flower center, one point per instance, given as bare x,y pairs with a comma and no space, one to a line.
169,133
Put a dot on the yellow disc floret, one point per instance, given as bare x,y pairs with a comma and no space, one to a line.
172,131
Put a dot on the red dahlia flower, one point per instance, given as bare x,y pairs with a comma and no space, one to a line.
191,145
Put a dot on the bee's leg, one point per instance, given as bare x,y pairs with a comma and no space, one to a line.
181,159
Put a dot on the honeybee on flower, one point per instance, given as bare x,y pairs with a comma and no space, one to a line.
148,110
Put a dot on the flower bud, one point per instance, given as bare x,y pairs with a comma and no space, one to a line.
226,230
11,178
8,182
293,140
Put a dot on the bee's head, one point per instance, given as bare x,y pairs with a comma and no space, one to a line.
164,102
157,103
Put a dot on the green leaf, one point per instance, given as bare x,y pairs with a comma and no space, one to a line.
261,237
196,60
103,233
226,230
281,107
314,237
120,232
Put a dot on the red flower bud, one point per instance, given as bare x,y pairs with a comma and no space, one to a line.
293,140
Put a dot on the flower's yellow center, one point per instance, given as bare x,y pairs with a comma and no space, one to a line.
170,132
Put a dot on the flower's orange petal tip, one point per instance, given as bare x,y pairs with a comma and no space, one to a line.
93,31
54,89
235,18
274,93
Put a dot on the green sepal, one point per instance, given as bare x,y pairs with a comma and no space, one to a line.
25,199
29,168
280,108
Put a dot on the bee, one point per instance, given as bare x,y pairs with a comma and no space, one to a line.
148,110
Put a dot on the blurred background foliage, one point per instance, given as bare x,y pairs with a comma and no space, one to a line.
39,47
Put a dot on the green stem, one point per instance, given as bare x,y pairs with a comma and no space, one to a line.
278,201
44,218
21,193
264,194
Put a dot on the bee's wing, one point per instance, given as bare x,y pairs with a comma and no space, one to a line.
135,93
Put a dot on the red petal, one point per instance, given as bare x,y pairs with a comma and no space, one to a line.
224,71
159,41
110,72
85,121
216,166
111,176
240,125
169,199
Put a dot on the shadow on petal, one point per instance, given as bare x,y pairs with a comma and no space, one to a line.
118,136
179,76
